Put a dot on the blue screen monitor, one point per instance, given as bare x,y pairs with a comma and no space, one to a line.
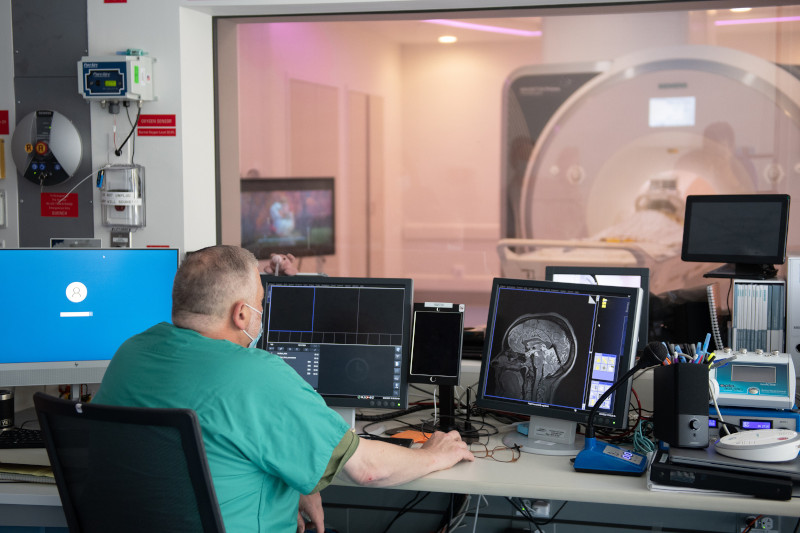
347,337
551,350
65,311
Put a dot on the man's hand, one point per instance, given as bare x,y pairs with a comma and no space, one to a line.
311,506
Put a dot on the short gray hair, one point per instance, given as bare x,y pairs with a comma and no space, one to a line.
208,282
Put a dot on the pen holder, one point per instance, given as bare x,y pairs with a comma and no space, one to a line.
680,405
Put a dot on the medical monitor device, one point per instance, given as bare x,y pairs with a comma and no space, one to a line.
288,215
620,276
746,231
347,337
66,310
437,331
551,350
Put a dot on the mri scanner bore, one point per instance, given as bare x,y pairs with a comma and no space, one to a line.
611,150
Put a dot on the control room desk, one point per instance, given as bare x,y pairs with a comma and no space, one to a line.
533,476
553,478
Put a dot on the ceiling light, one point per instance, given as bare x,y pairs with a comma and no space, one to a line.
741,9
447,39
484,27
755,21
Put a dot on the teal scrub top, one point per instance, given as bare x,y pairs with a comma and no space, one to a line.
268,435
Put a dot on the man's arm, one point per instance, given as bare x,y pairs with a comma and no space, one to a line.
380,464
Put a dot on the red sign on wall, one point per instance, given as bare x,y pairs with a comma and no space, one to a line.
57,204
159,121
156,132
4,122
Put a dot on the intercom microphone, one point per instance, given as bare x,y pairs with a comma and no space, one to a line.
604,458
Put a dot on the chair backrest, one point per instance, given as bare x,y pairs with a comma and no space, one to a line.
128,468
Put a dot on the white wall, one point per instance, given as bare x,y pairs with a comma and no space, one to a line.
9,236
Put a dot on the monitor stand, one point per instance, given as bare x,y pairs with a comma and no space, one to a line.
547,436
447,416
743,271
349,415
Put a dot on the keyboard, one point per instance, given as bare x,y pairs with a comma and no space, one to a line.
21,438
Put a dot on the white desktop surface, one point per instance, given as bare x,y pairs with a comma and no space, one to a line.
553,478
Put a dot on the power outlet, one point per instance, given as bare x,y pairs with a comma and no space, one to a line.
537,508
763,524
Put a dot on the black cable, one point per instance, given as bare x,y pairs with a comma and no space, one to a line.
118,151
797,526
413,502
133,140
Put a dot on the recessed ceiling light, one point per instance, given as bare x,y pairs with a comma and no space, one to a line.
741,9
484,27
447,39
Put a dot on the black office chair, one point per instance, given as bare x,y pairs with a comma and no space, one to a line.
126,469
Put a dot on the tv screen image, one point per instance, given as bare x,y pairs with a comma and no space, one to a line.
288,215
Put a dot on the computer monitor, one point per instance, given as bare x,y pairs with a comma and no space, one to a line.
746,231
66,310
347,337
551,350
618,276
288,215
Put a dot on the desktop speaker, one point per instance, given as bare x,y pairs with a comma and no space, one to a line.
680,405
6,409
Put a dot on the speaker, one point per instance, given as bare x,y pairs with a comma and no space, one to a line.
680,405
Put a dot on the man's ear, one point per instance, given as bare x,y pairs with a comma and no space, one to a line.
239,315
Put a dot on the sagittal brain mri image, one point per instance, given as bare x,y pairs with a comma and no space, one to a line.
538,352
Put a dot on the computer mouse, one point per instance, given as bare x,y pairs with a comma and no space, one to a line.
763,445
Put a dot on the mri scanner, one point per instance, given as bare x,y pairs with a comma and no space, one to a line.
599,157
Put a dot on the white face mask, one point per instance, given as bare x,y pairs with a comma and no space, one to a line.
254,340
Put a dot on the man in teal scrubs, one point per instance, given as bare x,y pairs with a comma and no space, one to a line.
272,443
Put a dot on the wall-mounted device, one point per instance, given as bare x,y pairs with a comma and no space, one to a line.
752,379
46,147
115,78
122,195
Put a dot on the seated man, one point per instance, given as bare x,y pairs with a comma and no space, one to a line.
272,443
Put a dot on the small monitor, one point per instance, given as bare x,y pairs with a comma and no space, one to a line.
671,111
552,349
66,310
746,231
288,215
347,337
619,276
437,330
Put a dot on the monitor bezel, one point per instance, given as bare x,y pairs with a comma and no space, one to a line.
644,276
693,202
270,185
65,372
618,419
406,284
